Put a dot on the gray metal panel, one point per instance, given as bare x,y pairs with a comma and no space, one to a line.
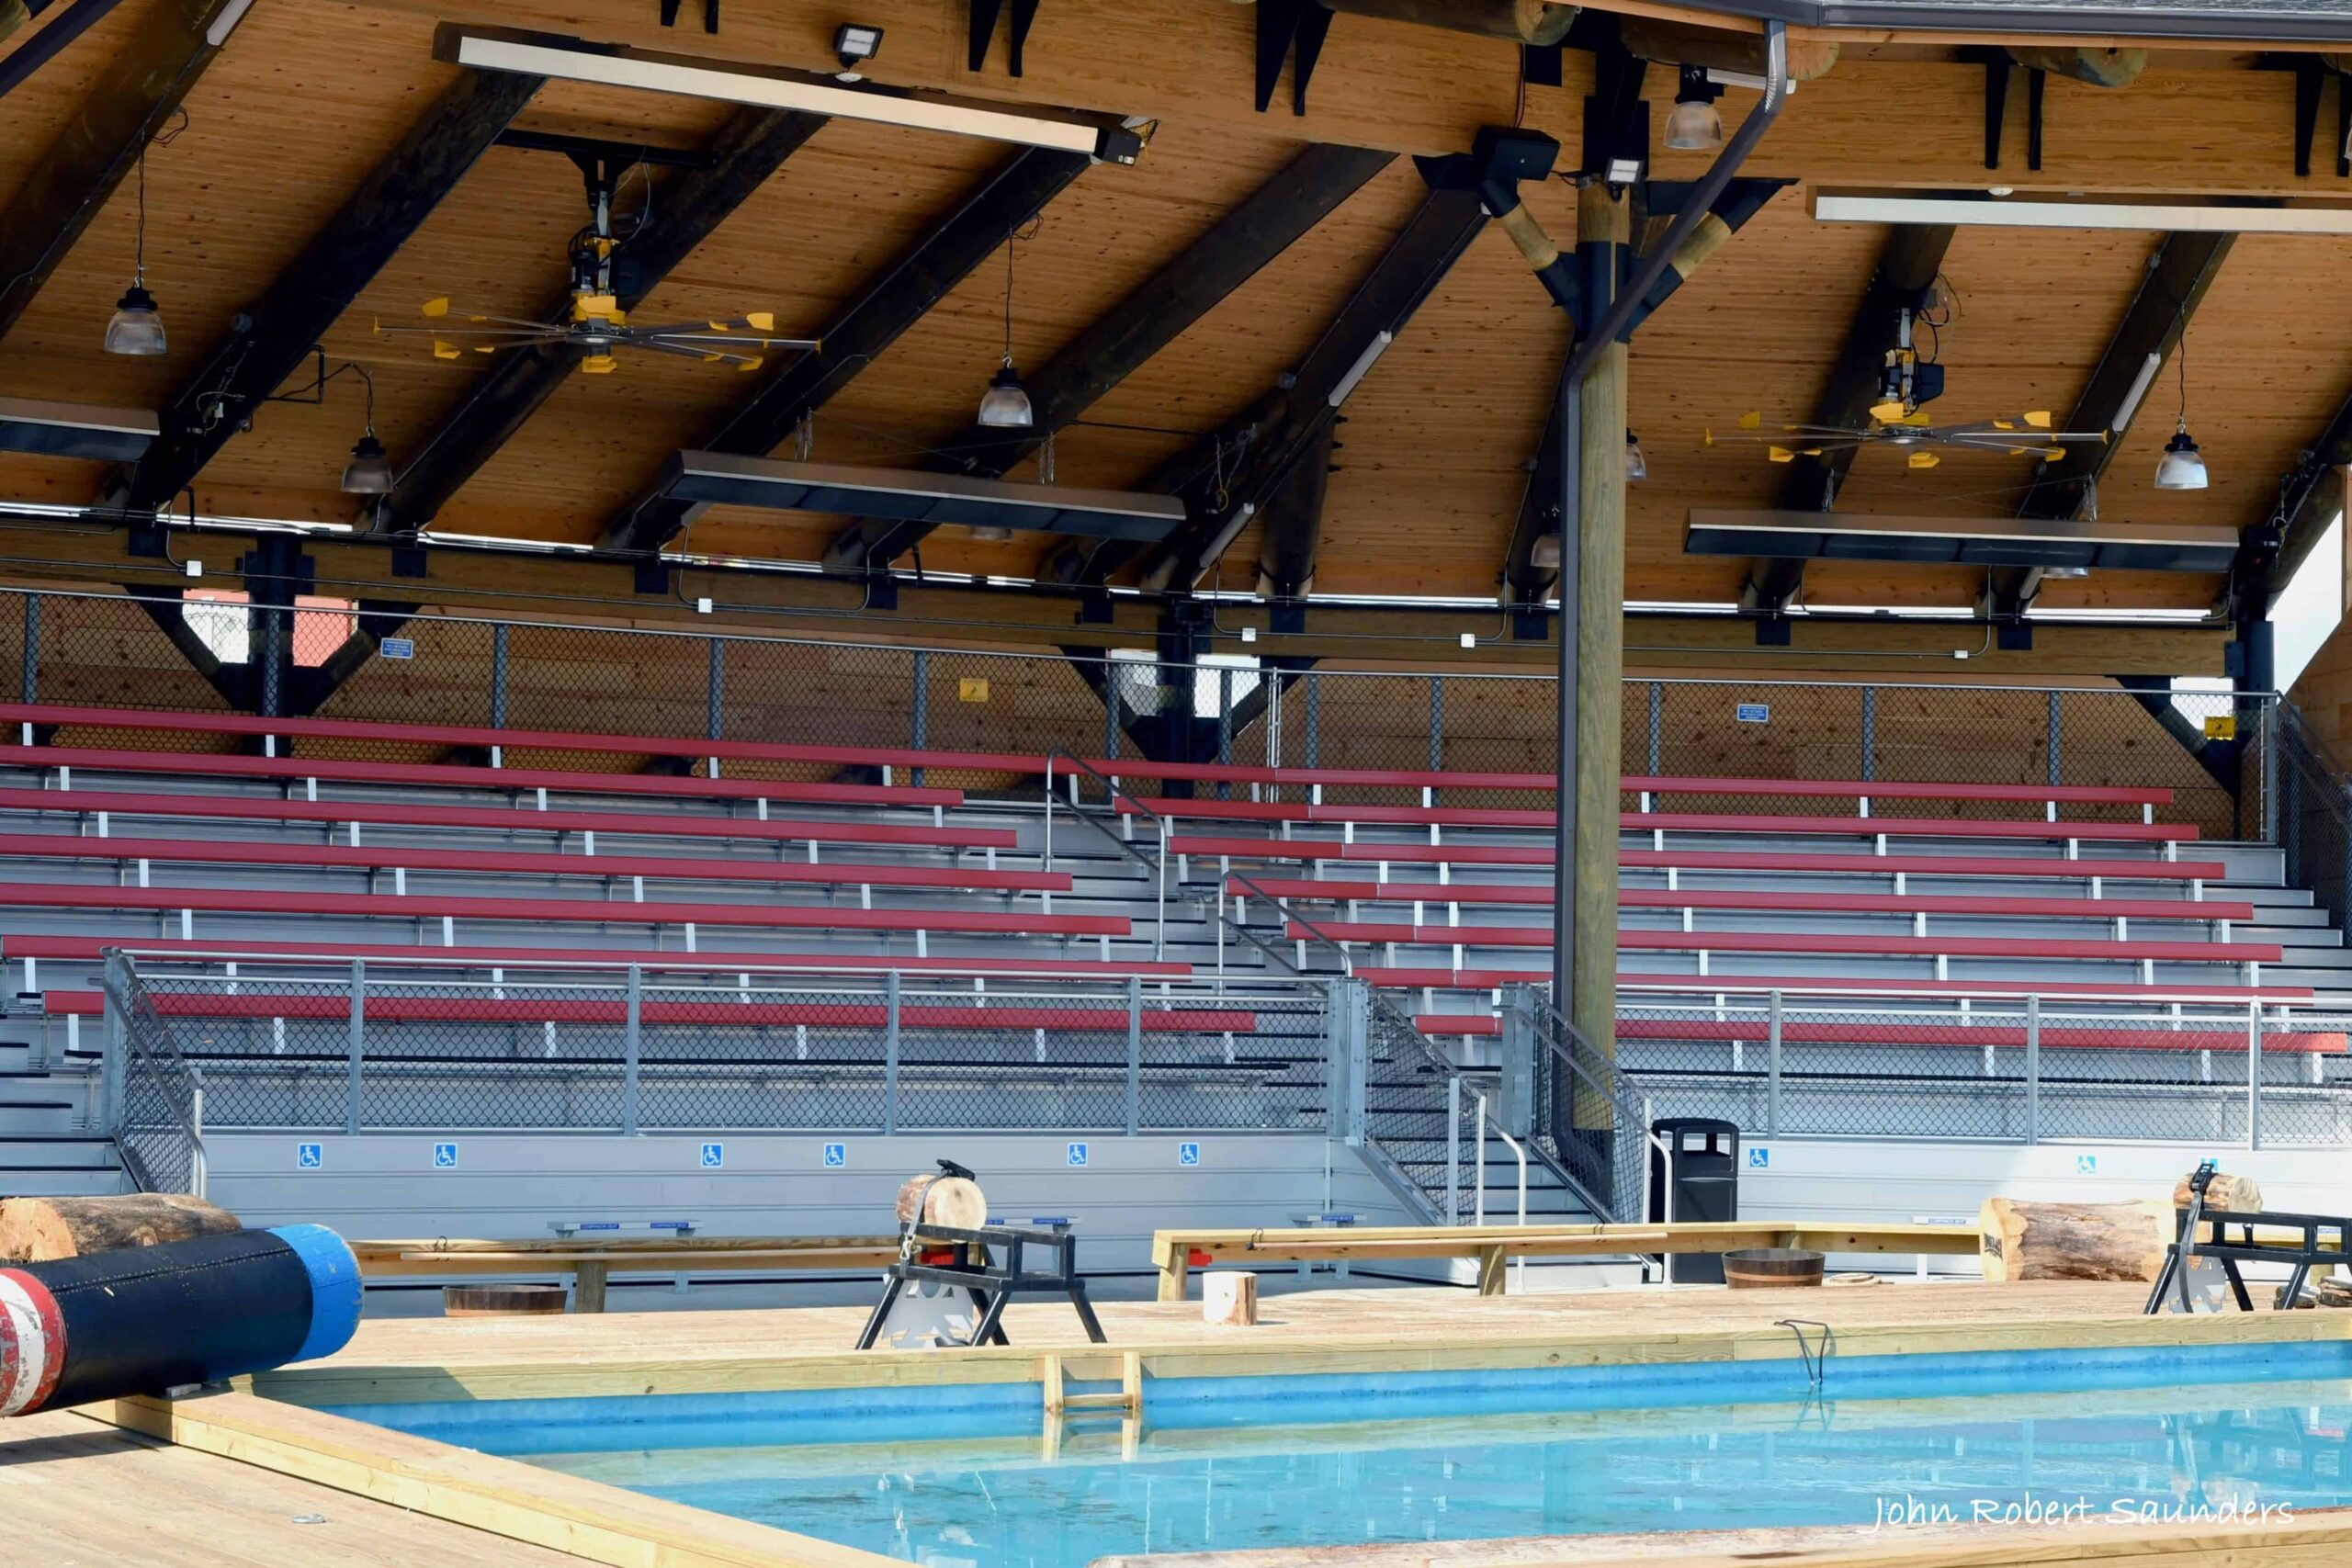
914,496
1965,541
70,430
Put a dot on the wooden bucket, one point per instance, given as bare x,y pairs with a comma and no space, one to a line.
500,1300
1766,1268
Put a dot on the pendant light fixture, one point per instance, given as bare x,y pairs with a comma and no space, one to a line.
369,472
1637,467
1694,126
136,327
1006,406
2182,467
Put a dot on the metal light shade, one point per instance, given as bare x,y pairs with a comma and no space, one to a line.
1638,468
1545,555
369,472
136,328
1005,406
991,536
1694,126
2182,467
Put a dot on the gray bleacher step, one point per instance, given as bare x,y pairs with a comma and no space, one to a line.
56,1151
21,1117
62,1183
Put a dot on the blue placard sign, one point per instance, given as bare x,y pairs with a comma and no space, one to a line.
1753,713
397,647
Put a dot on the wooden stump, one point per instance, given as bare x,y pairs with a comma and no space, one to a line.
2236,1194
950,1201
2025,1240
40,1230
500,1300
1229,1301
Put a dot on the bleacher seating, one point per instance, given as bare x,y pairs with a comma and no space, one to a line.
1976,890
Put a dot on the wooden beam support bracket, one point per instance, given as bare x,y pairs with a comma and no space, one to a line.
983,29
1293,31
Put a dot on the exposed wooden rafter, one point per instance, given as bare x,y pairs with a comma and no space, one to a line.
1247,464
96,149
1906,268
270,340
2179,272
894,299
1200,276
754,144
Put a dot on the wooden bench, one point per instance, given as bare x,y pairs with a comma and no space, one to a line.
590,1264
102,804
1537,896
1175,1253
230,851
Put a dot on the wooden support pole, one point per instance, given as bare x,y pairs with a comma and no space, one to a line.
1603,223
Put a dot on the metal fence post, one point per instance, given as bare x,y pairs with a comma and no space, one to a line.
1134,1055
498,676
890,1056
1516,1114
2253,1075
115,1066
1224,729
354,1042
2053,738
1347,1022
1454,1151
2270,803
2033,1054
632,1046
1869,733
1314,700
1772,1069
715,716
31,683
1437,722
919,726
1110,710
1657,728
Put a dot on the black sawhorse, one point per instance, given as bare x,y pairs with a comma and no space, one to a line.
2217,1244
974,1267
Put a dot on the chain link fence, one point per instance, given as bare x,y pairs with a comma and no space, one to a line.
366,1048
154,1096
2212,748
1587,1117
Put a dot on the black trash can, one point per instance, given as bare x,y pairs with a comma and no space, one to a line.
1702,1185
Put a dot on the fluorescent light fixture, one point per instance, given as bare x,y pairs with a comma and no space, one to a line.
1958,541
226,22
2130,403
1362,367
2052,209
774,86
910,495
69,430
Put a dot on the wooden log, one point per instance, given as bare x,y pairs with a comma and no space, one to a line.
2022,1240
1680,44
2096,67
1229,1301
950,1200
40,1230
2233,1194
502,1301
1519,21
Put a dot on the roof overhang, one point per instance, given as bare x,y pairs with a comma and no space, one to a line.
1958,541
910,495
2314,22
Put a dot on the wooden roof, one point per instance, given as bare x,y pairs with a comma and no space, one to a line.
309,95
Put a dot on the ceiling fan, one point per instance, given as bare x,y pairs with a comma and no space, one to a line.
1898,420
593,320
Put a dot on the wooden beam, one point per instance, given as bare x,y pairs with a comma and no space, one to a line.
1906,268
894,300
269,341
1192,284
687,207
99,147
2182,269
1259,452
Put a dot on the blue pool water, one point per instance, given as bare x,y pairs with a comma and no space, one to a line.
960,1478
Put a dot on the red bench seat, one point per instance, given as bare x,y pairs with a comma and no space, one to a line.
1486,978
2119,1035
1325,850
1805,941
38,846
1741,898
1664,821
500,818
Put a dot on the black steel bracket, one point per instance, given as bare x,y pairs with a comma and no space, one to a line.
2312,73
1616,119
1998,69
1292,30
709,15
984,15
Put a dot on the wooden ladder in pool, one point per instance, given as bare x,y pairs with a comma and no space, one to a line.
1127,1399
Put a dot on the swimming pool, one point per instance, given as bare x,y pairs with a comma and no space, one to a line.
963,1477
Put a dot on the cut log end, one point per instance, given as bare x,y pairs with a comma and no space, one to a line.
950,1200
1229,1301
42,1230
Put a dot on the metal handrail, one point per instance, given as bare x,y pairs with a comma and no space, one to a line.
126,1000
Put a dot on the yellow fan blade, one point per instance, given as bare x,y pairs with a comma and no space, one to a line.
716,326
2039,419
1780,454
444,350
2051,454
1812,451
761,320
712,358
2002,424
751,365
376,326
1919,419
597,365
437,307
1707,435
1751,419
485,348
1889,413
1924,459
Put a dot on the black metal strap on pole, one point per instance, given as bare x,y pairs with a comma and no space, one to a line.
1570,410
